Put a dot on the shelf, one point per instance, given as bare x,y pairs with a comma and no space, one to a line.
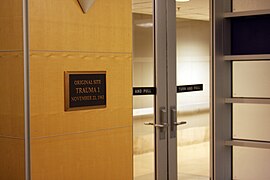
247,143
248,100
246,13
256,57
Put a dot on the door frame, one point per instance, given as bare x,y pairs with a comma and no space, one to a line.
164,19
165,79
172,90
161,106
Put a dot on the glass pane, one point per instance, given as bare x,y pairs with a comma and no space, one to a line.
251,121
143,76
251,79
250,35
249,5
193,62
143,141
251,163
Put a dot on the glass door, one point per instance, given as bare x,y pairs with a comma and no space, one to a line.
171,60
149,82
190,127
143,77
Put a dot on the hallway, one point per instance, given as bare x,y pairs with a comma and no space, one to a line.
193,148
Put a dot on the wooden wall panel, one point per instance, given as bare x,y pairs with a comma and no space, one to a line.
11,95
86,144
61,25
11,159
11,21
11,91
48,117
100,155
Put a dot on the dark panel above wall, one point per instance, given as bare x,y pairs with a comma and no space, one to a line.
250,35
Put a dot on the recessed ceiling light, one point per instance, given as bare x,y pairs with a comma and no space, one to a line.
182,0
145,25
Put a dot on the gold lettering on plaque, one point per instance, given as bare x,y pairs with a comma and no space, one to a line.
85,90
87,82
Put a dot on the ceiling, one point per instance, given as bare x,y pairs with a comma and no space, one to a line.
194,9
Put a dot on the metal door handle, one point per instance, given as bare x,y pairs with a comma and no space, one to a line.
180,123
174,119
156,125
161,131
174,122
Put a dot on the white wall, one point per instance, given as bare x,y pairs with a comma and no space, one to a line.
193,50
143,62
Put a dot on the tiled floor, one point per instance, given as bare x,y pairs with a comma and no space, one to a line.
193,150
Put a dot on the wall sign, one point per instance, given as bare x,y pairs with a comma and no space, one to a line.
189,88
144,91
85,90
180,89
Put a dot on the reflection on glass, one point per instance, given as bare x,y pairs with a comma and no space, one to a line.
250,5
193,43
251,121
143,141
143,76
251,79
251,163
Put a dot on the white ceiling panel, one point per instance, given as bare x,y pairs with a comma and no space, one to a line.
194,9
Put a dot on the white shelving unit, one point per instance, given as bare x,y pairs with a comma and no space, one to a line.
246,13
223,100
250,144
248,100
260,57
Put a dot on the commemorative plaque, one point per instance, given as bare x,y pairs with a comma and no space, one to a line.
85,90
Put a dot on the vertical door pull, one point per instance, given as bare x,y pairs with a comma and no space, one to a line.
174,119
163,120
174,122
163,123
